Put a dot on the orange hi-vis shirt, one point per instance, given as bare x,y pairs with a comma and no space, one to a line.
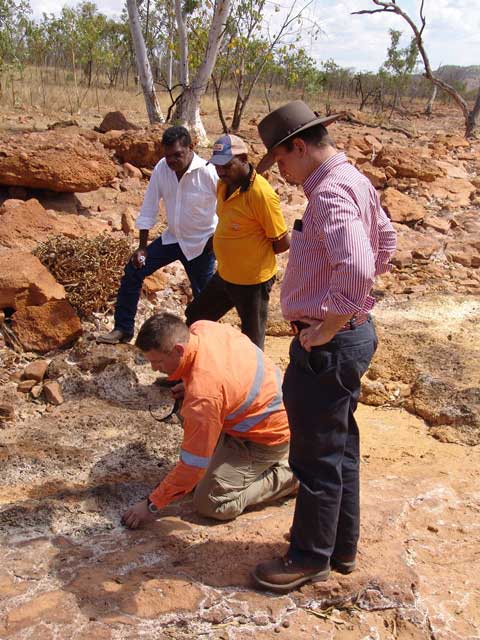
231,387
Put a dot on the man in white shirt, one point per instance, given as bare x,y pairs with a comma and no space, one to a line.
188,187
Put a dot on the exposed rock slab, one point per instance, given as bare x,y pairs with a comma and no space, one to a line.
49,326
55,161
24,224
409,163
23,276
400,207
140,148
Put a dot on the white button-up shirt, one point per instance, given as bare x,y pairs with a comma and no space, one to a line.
190,204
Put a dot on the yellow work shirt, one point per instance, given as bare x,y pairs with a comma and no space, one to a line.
248,222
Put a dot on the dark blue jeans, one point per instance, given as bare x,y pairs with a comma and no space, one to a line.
199,271
320,392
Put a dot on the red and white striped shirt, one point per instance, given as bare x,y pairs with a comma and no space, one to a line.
345,240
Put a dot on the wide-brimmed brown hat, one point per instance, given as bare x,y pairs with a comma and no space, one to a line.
283,123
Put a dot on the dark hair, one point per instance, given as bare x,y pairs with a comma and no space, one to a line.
174,134
317,136
162,332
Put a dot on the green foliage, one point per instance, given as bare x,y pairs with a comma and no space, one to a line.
15,25
400,63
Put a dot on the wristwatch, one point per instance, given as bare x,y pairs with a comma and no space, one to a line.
151,507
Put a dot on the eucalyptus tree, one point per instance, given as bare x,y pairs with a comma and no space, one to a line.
471,116
253,39
187,106
144,70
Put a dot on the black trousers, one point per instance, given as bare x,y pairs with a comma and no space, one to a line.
320,392
250,301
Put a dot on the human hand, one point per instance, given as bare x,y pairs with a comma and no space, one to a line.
313,336
138,515
178,391
138,258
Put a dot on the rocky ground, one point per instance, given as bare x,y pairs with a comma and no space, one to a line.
82,433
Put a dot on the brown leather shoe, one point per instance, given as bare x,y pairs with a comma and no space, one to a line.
343,566
282,575
114,337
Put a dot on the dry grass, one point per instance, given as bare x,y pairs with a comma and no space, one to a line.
89,269
55,95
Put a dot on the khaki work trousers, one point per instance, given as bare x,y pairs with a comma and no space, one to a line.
241,474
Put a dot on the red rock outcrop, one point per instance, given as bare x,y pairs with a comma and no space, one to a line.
24,280
24,224
400,207
409,163
50,326
140,148
56,161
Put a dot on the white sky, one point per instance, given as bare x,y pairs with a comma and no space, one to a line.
452,35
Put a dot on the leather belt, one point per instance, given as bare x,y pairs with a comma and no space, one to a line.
356,321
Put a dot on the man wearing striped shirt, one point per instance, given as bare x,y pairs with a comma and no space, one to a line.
234,452
343,241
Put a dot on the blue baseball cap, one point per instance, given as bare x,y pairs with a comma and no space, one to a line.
226,148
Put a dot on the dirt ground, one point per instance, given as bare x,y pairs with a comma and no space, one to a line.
69,570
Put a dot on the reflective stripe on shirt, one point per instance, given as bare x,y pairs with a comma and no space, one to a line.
254,389
194,461
274,405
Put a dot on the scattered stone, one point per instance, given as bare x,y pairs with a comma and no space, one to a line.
7,411
56,161
400,207
376,175
23,276
50,326
155,282
36,391
128,221
24,386
442,225
131,171
52,392
36,370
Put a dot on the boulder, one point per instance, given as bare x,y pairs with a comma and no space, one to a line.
24,280
36,370
115,121
442,225
376,175
400,207
140,148
463,253
49,326
409,163
128,221
52,392
24,224
455,190
54,160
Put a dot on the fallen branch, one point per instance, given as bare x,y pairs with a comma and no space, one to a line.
386,127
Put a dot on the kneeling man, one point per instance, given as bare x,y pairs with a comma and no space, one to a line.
235,445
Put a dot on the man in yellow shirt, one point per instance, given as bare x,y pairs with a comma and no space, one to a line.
251,230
